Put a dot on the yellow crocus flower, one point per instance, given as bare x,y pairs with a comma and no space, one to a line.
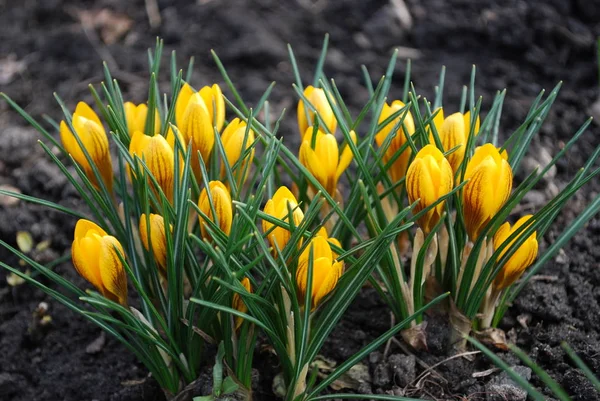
324,161
95,257
238,304
159,158
221,200
490,183
136,118
93,137
428,178
453,132
197,114
233,138
397,170
332,241
520,260
158,240
326,270
279,207
306,117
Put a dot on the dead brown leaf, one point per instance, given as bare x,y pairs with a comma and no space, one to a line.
112,26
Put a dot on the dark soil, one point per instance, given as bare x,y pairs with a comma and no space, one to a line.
521,45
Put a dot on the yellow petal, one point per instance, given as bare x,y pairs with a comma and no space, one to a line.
85,111
468,124
221,200
93,137
325,278
111,269
161,163
215,103
306,117
158,240
327,152
310,160
85,253
238,304
185,93
452,134
438,120
346,157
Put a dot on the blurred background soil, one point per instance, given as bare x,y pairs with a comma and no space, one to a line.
526,46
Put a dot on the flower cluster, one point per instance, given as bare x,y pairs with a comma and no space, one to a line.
223,232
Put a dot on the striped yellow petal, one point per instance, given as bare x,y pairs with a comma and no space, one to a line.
428,178
158,156
520,260
96,258
93,137
238,304
215,103
488,188
111,270
223,206
158,240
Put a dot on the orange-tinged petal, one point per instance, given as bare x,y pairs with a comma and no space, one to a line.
428,178
111,269
93,137
158,240
489,186
95,260
238,304
520,260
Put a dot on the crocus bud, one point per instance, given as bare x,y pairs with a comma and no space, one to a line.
158,240
223,206
95,257
233,139
306,117
159,158
325,274
489,186
323,160
136,118
332,241
397,170
215,103
88,127
453,132
428,178
520,260
197,114
238,304
279,206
